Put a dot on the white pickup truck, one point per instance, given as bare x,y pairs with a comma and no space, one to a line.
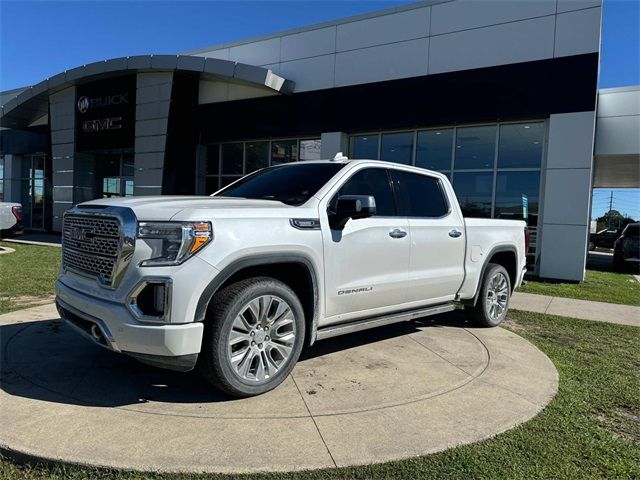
237,283
10,219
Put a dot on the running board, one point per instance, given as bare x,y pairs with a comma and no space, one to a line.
344,328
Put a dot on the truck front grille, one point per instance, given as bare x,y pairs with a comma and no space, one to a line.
90,245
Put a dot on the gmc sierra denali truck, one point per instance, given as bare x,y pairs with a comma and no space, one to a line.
236,284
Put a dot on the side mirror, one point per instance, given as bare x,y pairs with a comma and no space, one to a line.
354,207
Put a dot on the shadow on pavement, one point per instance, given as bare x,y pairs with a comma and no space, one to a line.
46,360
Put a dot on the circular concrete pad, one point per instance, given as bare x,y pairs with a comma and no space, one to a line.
389,393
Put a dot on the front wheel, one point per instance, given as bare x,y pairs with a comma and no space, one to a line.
493,302
253,337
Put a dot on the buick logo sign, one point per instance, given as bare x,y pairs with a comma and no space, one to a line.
83,104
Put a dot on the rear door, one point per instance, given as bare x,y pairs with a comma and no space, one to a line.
436,266
367,263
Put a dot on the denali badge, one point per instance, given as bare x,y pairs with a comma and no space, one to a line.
349,291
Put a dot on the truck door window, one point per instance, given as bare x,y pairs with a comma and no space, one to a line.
370,181
420,195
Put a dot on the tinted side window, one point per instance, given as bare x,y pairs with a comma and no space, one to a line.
422,196
372,181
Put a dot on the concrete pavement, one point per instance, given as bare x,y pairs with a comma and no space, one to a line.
389,393
583,309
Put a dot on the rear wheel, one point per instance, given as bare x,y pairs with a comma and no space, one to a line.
493,302
253,337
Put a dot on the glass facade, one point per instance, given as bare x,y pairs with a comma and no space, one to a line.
397,147
475,193
433,150
475,147
224,163
494,168
521,145
365,146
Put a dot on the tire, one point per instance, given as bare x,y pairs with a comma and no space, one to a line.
240,354
495,284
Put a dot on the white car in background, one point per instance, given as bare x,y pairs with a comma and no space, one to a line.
10,219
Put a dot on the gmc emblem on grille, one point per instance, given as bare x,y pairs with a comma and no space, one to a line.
77,233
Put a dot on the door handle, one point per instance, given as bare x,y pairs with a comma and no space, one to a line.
455,233
397,233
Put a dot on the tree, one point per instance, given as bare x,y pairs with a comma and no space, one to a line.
613,219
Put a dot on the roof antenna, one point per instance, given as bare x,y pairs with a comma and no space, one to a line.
340,157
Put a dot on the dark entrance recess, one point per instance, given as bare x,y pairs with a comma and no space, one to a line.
509,92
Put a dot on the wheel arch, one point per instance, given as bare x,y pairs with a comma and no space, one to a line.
295,270
505,255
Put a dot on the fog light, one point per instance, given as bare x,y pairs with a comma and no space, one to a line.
151,300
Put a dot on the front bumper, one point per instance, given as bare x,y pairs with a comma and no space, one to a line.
112,325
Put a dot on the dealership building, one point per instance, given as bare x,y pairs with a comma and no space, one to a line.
500,96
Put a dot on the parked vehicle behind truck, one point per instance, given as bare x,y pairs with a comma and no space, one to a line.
10,220
236,284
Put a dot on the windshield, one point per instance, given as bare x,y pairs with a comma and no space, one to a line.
290,184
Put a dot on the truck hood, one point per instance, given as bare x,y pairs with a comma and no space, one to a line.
166,207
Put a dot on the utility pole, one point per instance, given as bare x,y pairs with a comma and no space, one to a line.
610,207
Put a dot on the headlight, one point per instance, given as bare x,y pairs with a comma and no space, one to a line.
173,242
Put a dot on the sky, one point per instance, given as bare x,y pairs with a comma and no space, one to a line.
39,39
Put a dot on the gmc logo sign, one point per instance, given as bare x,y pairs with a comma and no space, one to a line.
112,123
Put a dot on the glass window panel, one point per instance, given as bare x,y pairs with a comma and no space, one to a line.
111,187
474,191
397,147
520,145
257,155
371,181
310,149
211,185
228,180
434,149
213,157
421,195
364,147
511,187
232,158
128,188
284,151
127,165
475,147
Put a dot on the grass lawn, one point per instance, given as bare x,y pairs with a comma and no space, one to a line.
27,275
598,286
591,429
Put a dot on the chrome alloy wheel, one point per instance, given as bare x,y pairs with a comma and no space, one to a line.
261,339
497,296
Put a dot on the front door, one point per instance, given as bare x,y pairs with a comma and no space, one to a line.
367,263
115,174
33,191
